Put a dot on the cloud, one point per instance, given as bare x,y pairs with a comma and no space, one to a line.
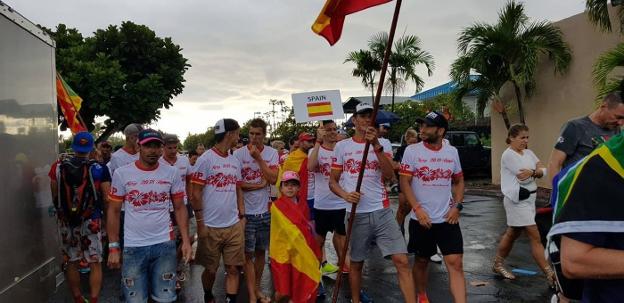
245,52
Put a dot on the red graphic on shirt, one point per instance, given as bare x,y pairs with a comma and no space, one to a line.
426,174
250,174
325,169
352,166
221,180
138,199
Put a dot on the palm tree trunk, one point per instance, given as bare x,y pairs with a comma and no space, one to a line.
519,100
372,86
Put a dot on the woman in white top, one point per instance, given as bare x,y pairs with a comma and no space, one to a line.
519,170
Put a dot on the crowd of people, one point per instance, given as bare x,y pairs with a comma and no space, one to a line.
142,207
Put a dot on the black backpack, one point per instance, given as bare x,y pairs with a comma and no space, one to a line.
78,197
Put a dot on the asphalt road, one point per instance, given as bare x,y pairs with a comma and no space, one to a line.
482,222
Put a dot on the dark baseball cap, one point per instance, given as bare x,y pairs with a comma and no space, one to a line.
148,135
434,119
171,139
82,142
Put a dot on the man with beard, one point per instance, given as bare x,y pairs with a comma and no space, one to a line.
432,181
329,209
374,221
149,254
217,199
129,152
259,167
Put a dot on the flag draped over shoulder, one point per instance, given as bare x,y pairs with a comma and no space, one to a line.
70,104
294,253
589,195
297,161
331,19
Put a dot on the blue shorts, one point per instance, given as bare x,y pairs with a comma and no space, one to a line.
257,232
149,271
311,207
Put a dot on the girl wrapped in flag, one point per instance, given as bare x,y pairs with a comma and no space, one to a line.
295,256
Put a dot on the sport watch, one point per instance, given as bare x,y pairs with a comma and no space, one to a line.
459,206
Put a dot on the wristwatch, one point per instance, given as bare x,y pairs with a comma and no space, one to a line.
459,206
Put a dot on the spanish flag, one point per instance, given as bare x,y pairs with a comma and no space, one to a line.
295,255
316,109
70,104
329,22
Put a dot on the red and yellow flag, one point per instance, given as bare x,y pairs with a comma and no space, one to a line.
329,22
316,109
297,161
70,104
295,255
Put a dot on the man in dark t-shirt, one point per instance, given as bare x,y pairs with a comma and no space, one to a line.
581,136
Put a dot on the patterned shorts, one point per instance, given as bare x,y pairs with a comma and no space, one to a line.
82,243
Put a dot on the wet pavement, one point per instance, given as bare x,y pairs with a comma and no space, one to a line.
482,222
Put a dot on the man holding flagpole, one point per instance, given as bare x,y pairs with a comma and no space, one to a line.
374,220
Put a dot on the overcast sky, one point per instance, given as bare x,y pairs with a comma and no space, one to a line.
245,52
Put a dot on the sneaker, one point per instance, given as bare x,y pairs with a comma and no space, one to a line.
437,258
365,298
321,290
329,268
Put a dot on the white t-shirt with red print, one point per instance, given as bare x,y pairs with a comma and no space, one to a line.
220,173
121,158
324,198
147,195
256,201
432,174
348,159
183,167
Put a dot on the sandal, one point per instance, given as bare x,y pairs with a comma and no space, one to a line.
500,269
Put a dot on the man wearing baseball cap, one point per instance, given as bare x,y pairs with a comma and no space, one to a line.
217,198
374,221
432,181
79,179
147,189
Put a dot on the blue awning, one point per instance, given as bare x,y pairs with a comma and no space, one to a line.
445,88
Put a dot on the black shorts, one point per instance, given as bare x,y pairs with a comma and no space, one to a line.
327,220
423,242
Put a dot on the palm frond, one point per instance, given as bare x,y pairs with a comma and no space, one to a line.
604,67
598,13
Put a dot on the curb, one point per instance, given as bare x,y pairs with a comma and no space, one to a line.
483,192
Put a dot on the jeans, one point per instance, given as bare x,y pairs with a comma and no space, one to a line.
149,271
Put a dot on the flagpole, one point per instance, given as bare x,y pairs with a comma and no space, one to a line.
382,75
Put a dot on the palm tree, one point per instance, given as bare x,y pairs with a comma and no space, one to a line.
365,67
509,51
598,13
404,59
604,80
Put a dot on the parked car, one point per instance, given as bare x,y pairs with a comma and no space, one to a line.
474,157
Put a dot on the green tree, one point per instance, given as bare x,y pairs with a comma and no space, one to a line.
290,128
409,111
406,56
192,140
366,66
125,73
598,13
509,51
606,79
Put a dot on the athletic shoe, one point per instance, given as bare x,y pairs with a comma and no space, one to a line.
328,268
321,290
364,297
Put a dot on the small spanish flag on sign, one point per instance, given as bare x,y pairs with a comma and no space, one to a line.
316,109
